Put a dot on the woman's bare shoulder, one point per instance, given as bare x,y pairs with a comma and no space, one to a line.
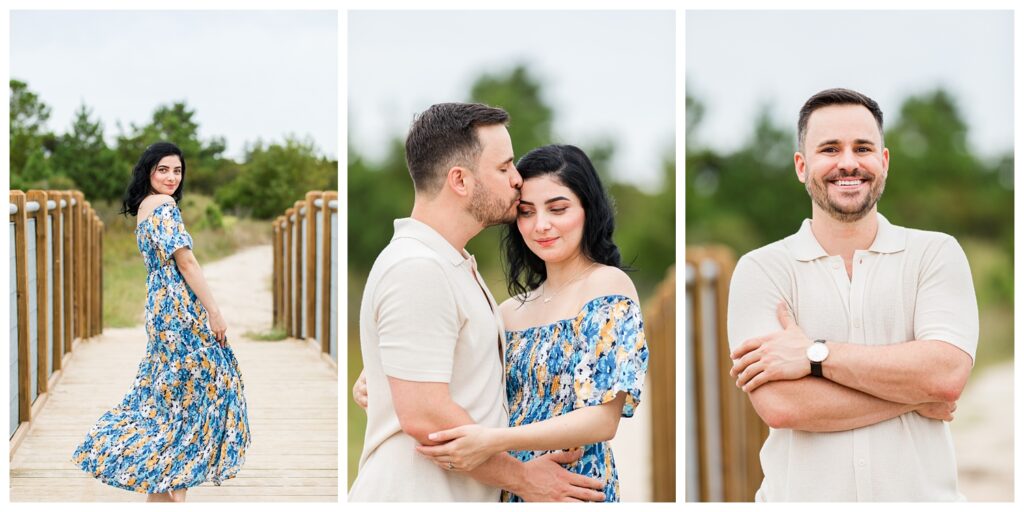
608,280
152,202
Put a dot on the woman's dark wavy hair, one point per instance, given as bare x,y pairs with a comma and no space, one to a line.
568,165
139,188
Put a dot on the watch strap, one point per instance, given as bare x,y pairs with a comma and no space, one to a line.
816,365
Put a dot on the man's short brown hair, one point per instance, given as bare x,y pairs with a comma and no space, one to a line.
444,136
830,97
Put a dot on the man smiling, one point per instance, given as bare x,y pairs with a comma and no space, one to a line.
879,327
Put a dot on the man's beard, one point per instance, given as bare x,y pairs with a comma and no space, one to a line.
489,209
818,190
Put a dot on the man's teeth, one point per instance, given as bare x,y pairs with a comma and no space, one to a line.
847,183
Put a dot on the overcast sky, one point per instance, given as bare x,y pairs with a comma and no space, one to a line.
248,74
608,74
736,62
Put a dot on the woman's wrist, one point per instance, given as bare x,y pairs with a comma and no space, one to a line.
502,439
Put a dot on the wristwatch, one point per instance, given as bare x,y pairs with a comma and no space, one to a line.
816,353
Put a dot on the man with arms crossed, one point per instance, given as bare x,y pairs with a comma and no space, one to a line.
430,331
879,326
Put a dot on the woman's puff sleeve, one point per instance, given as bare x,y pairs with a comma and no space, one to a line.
615,358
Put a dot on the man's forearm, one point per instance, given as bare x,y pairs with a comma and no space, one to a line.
816,405
913,372
424,408
501,470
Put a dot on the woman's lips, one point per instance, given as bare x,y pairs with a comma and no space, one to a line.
547,242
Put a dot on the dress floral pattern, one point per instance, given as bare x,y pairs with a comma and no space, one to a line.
574,363
184,420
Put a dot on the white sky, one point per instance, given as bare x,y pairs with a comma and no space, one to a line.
606,74
738,61
248,74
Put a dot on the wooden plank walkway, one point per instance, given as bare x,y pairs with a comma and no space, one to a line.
292,395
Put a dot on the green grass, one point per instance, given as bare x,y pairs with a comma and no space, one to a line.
124,274
274,334
992,270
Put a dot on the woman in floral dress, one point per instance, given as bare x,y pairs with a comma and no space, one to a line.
184,421
576,355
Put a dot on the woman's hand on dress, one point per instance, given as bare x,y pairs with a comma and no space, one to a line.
464,448
219,327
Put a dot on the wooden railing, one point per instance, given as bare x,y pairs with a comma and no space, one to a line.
306,271
56,248
660,329
723,433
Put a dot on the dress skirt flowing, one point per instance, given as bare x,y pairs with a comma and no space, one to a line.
183,422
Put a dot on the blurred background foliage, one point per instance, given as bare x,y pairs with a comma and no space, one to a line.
381,191
226,203
270,177
750,196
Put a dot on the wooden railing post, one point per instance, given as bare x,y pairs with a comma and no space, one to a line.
69,272
309,311
328,270
298,261
42,236
79,259
87,253
97,283
276,278
289,233
20,219
734,460
57,220
661,339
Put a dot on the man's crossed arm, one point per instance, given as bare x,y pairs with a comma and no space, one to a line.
864,384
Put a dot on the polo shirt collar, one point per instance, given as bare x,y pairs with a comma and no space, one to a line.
889,238
804,247
416,230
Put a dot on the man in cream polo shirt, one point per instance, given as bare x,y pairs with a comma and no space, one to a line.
853,337
430,332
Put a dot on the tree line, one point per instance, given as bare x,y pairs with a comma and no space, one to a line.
270,177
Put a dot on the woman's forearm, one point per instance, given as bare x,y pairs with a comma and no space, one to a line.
583,426
193,274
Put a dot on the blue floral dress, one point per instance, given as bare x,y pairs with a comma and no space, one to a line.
184,421
574,363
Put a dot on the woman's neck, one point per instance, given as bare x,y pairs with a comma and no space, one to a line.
560,274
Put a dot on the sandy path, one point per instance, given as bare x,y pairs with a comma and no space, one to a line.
241,285
983,435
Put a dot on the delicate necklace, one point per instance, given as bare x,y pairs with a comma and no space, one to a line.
560,288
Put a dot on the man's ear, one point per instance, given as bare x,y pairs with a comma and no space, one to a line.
800,164
885,162
458,180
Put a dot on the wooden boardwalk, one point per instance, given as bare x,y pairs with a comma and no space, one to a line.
291,391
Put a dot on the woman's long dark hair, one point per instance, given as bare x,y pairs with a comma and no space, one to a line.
139,188
568,165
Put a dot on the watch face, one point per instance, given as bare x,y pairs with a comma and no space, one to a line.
817,352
